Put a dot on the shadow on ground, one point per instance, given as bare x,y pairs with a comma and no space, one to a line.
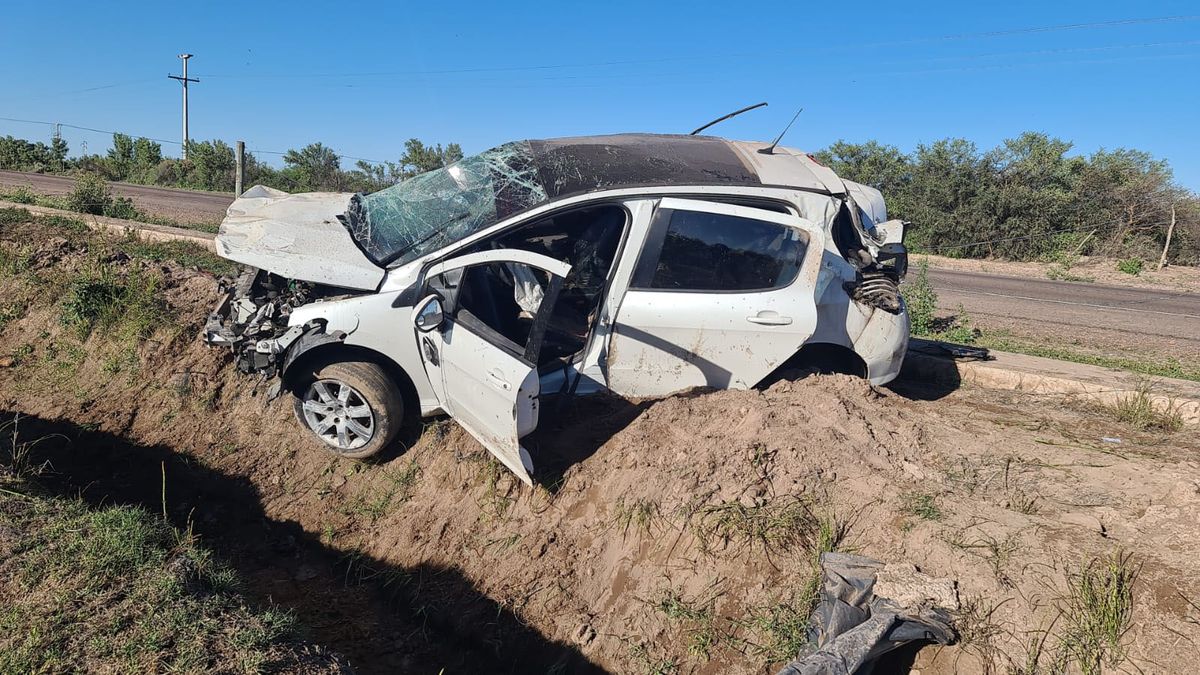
382,617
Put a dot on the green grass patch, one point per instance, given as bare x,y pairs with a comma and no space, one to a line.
922,505
1160,367
185,253
126,304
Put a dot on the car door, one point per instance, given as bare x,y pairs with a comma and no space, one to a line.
721,295
481,357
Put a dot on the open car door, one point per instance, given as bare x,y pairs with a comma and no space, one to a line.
480,328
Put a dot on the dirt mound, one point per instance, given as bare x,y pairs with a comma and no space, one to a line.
667,536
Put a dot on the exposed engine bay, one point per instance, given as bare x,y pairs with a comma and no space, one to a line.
251,319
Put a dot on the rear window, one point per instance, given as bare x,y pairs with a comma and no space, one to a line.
716,252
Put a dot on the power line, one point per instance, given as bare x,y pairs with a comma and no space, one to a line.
163,140
624,62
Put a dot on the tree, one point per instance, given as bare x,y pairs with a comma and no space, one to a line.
314,167
419,158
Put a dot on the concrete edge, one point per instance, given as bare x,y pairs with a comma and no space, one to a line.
147,231
1103,386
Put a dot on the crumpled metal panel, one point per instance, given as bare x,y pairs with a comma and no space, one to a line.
428,211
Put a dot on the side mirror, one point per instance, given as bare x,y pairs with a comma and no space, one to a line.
428,314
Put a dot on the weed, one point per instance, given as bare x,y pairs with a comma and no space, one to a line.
1138,411
921,505
1131,266
650,664
996,552
1098,609
498,488
775,524
185,253
90,195
698,619
639,514
21,195
11,216
780,630
977,629
15,261
102,299
22,354
921,300
1145,365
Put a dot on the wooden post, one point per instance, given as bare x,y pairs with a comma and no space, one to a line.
1162,262
240,172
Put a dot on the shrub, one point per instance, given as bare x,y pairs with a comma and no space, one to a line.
91,195
128,304
1131,266
22,195
921,300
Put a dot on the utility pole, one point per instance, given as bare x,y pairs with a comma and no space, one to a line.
239,175
184,81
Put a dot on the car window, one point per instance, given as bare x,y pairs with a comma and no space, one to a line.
717,252
501,298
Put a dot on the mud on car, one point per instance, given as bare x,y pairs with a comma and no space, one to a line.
636,264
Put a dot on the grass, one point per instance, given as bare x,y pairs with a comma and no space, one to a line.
699,622
779,524
1097,611
638,514
104,299
921,505
117,589
1165,367
96,200
1138,411
185,253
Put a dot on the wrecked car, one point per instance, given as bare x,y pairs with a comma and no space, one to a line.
637,264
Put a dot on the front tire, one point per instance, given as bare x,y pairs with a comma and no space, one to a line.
352,408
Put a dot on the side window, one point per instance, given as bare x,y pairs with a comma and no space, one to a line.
716,252
501,299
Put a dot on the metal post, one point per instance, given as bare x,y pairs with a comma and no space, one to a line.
184,81
240,173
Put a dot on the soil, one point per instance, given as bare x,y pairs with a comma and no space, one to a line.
675,535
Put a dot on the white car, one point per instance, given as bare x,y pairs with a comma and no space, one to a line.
638,264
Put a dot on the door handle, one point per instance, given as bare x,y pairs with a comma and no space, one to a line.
497,379
769,318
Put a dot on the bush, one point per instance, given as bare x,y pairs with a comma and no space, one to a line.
128,304
91,195
921,300
1130,266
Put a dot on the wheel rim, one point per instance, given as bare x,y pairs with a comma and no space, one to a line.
338,414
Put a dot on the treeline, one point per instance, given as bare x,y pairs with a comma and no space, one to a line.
211,165
1027,198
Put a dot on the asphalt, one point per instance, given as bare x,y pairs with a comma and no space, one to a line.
1072,305
183,205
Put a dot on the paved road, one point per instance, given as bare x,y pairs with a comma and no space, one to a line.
182,205
1075,307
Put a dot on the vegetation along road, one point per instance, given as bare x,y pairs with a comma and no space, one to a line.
1125,319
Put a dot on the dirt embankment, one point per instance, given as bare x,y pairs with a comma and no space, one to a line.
677,535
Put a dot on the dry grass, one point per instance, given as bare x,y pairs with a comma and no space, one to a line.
1139,411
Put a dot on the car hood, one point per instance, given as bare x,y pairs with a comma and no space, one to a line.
296,236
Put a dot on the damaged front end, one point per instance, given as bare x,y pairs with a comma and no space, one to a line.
251,319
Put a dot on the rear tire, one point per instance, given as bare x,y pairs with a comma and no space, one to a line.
351,408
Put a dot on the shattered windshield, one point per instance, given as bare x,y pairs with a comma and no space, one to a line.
429,211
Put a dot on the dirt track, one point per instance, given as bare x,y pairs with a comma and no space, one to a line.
435,557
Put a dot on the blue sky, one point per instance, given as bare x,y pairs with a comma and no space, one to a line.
364,77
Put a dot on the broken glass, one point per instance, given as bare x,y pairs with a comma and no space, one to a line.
426,212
